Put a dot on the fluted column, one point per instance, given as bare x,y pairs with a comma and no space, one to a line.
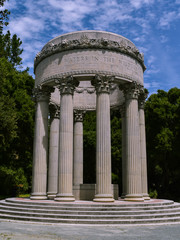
103,140
123,119
142,98
66,87
133,159
53,151
78,147
40,149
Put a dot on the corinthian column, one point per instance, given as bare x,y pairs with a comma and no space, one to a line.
53,151
103,140
142,98
40,149
66,87
78,147
133,159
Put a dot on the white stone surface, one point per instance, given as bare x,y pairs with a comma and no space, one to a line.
78,153
133,159
40,151
65,150
53,158
143,155
103,150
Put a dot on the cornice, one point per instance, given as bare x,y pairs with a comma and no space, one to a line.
89,43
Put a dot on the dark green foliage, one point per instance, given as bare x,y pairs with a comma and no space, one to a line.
16,116
163,141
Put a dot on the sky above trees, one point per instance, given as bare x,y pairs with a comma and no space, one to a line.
152,25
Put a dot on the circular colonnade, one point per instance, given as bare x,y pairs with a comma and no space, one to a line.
79,72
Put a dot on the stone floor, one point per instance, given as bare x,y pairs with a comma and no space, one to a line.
32,231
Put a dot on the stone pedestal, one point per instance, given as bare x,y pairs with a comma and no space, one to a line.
40,149
65,191
143,146
53,151
103,140
133,159
78,147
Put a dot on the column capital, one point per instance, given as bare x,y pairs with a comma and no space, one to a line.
142,97
79,115
102,83
66,85
42,93
131,90
54,110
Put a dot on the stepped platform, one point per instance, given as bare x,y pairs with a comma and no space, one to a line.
154,211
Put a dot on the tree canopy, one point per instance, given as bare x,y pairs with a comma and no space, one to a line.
16,114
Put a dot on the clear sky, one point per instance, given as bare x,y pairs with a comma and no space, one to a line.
152,25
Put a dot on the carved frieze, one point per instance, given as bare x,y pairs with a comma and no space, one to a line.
88,43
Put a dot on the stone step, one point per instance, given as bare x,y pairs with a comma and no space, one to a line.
92,212
91,221
80,216
74,207
83,212
89,204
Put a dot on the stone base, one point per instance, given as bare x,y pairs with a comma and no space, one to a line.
134,197
103,198
38,196
88,191
64,198
51,195
146,197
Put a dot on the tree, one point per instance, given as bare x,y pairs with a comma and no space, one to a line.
16,115
163,141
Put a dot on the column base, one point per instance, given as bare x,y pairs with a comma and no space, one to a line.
64,198
51,195
103,198
134,197
146,196
38,196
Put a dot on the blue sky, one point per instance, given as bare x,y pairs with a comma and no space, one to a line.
152,25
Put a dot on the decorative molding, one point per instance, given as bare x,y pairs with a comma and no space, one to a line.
89,90
79,115
131,90
42,93
88,43
102,83
63,75
66,85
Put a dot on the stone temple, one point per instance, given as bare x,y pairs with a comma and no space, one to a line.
75,73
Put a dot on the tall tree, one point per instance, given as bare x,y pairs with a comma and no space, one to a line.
163,141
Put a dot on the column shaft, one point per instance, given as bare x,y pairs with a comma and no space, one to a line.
123,150
66,141
133,160
53,157
78,149
143,154
103,142
40,148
